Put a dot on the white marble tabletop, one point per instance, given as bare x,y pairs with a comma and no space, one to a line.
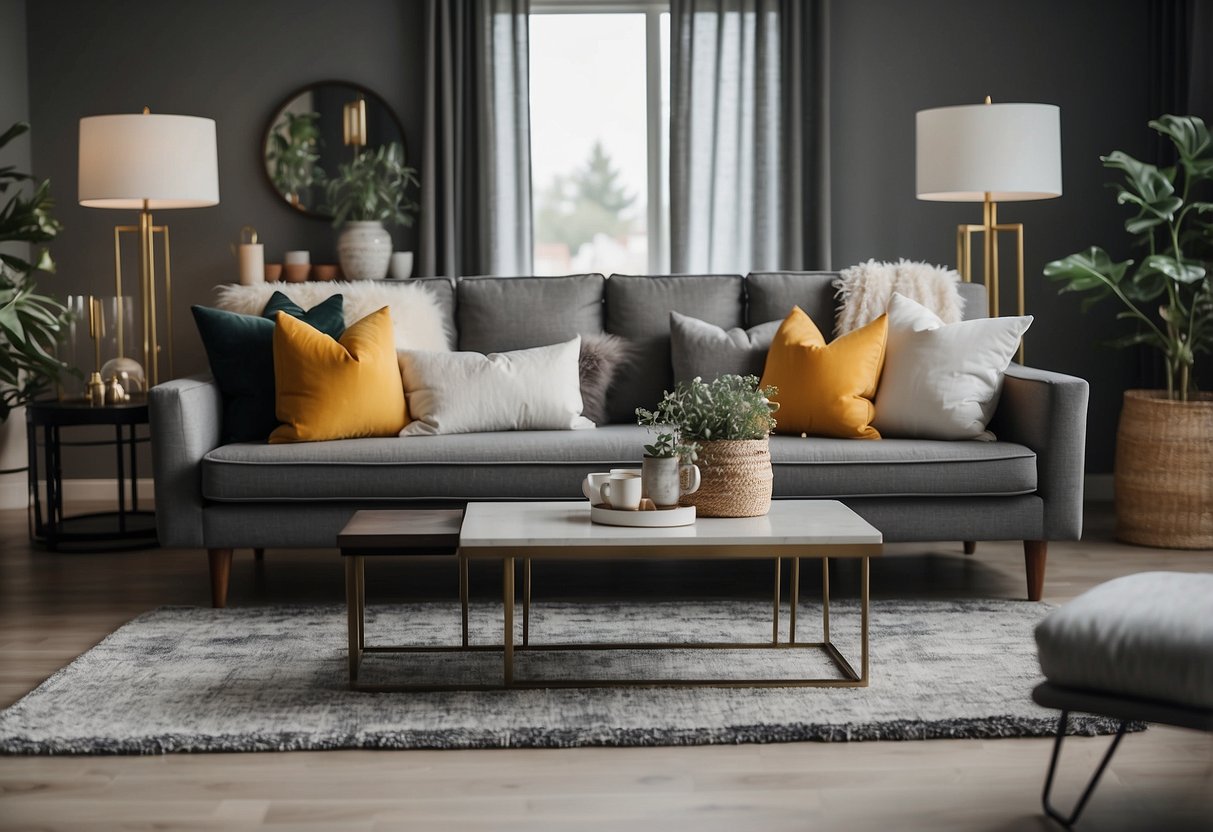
567,524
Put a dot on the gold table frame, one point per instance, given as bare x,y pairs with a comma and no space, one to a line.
509,556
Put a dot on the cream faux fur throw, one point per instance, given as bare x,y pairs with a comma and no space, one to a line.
864,291
416,316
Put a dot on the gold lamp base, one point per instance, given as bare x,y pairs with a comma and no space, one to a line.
147,230
990,228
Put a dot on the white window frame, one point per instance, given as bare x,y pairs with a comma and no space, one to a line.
657,230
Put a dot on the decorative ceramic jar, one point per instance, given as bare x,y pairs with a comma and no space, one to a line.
365,250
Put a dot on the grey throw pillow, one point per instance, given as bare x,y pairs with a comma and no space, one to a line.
601,358
699,348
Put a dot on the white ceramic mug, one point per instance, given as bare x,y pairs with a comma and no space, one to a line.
666,479
592,483
622,491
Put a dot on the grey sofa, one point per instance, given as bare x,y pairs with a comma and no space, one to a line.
1025,486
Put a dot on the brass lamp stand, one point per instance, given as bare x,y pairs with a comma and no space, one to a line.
990,228
147,230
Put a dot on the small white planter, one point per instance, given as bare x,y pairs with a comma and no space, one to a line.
365,250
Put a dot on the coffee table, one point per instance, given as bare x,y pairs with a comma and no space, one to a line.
793,529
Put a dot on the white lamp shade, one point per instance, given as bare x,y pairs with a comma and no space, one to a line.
167,161
1010,151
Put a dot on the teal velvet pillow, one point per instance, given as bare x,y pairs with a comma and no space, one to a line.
240,349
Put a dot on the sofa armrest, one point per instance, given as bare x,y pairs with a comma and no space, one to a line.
186,419
1048,412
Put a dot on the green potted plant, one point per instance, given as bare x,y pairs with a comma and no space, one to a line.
294,155
1164,459
366,193
31,325
726,425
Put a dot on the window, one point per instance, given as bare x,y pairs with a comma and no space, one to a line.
599,99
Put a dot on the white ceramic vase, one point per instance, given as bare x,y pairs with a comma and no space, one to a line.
365,250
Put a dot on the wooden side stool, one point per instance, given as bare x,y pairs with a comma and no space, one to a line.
396,533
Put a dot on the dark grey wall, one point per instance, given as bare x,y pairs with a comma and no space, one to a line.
233,61
891,58
229,60
14,85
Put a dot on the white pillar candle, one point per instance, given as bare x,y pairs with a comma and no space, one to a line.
252,263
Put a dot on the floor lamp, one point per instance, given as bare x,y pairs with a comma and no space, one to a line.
144,163
989,153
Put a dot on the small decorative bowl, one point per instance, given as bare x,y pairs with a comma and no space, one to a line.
273,272
324,271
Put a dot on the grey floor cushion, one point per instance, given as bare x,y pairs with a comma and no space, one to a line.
1148,635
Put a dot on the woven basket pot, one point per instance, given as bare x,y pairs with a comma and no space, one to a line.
1164,471
736,479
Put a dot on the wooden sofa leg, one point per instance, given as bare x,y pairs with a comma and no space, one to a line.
970,547
1034,554
221,569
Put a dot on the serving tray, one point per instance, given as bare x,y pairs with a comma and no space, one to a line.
680,516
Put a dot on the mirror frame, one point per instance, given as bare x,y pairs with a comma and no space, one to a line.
273,120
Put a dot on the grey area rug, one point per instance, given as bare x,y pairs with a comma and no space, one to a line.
260,679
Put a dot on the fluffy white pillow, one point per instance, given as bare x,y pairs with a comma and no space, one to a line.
468,392
942,381
417,318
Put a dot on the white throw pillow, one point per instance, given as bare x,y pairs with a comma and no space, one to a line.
942,381
468,392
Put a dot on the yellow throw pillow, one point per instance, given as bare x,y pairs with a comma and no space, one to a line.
826,389
327,389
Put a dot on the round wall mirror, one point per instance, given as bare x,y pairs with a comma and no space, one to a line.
318,128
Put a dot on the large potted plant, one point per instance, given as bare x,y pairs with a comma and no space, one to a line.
366,193
31,324
1164,445
725,425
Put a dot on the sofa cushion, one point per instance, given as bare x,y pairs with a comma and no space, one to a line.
942,381
771,295
336,389
499,314
837,468
1146,635
638,308
704,350
470,392
240,350
551,465
825,389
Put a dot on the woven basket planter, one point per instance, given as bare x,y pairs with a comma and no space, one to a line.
736,479
1164,471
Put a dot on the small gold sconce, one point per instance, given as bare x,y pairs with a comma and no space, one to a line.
354,123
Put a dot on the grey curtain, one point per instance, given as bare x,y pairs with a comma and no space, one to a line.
476,148
749,135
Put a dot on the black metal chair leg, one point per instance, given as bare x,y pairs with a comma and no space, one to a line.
1086,795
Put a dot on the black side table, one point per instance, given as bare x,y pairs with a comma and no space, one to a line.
126,528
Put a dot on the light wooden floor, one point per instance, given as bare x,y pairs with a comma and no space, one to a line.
52,607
